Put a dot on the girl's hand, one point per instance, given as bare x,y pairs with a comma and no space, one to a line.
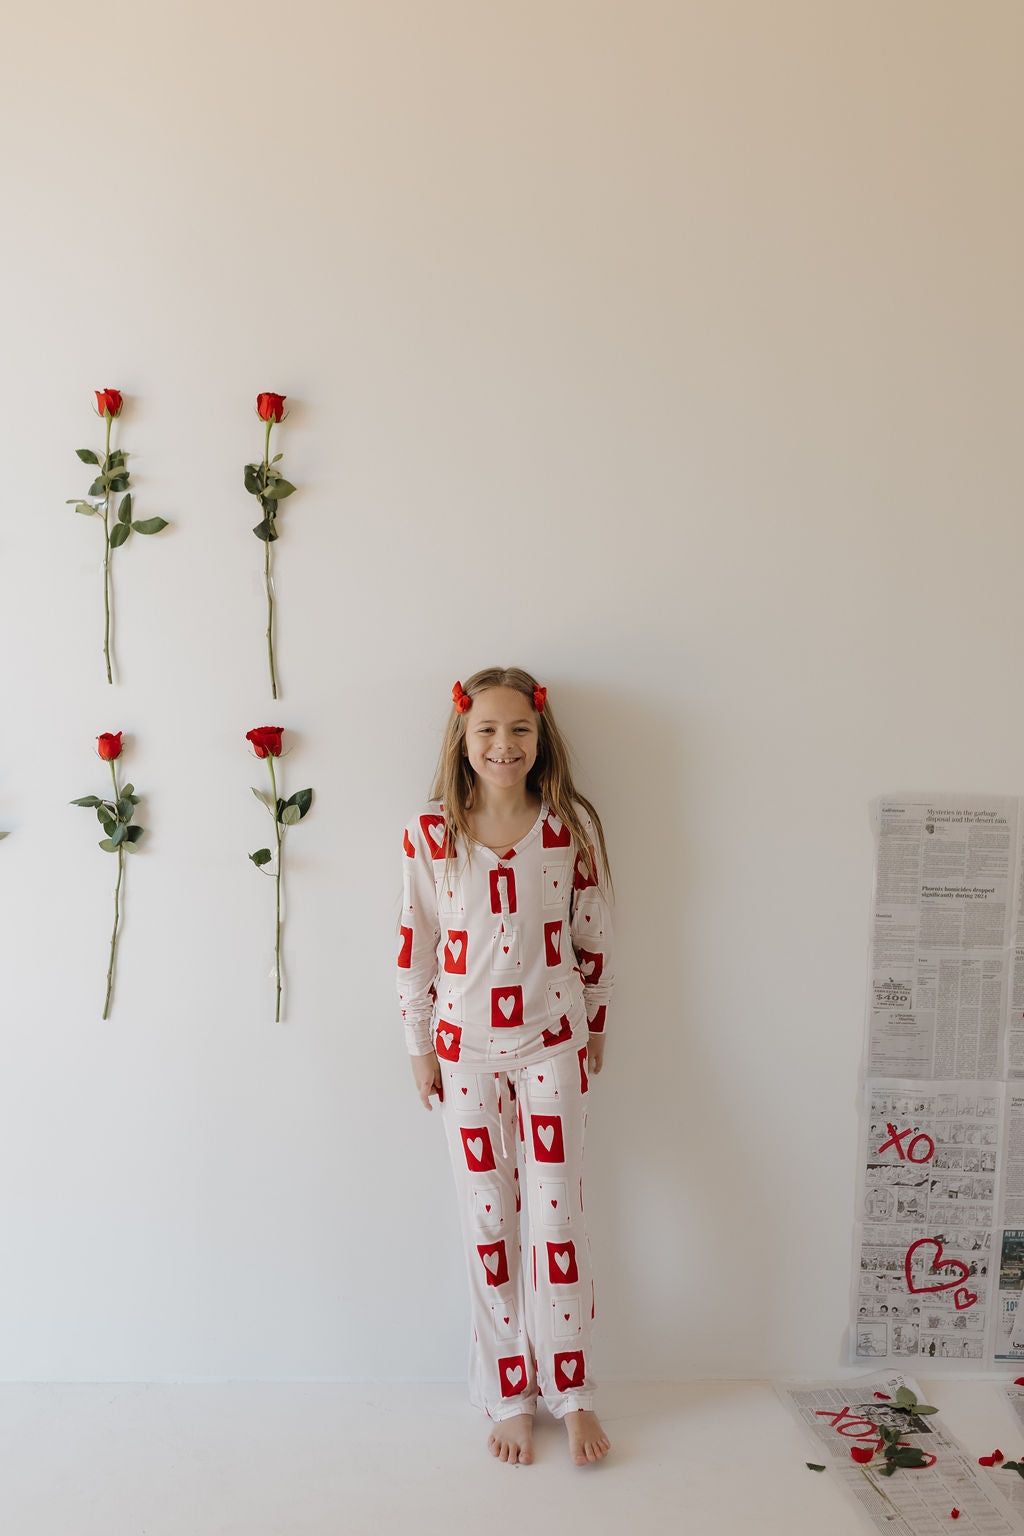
426,1071
595,1053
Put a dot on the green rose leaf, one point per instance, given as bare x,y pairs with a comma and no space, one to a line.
261,856
3,835
302,799
98,487
90,800
85,510
118,834
279,489
128,789
291,815
280,808
276,457
814,1466
125,808
132,834
118,534
108,846
264,799
265,531
124,511
116,458
87,456
253,483
119,482
150,525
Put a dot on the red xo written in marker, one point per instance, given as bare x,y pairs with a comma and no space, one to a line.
897,1138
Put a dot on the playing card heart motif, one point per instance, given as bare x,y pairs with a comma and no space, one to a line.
556,1036
436,836
503,890
938,1262
553,943
405,948
562,1267
583,872
494,1261
477,1145
554,833
547,1138
569,1370
591,965
507,1007
448,1042
963,1298
597,1022
407,846
455,952
512,1374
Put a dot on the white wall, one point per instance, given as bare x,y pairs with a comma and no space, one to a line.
671,350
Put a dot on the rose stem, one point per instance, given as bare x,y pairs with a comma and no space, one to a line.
106,559
117,892
266,567
277,888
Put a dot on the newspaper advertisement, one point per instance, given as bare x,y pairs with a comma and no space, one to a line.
927,1212
913,1502
943,925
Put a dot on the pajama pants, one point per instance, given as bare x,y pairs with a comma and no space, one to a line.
531,1324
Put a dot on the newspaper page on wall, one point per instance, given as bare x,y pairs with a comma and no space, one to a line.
939,1249
839,1415
942,924
926,1199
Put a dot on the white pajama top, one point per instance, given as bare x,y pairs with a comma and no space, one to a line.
508,957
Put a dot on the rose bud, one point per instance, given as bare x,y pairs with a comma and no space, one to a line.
109,745
270,407
109,402
266,740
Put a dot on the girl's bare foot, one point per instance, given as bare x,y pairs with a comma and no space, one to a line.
587,1440
511,1440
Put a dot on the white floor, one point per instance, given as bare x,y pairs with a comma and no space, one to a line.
252,1459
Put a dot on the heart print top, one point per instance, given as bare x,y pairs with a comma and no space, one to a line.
508,957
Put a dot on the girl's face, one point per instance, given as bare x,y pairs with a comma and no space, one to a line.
501,737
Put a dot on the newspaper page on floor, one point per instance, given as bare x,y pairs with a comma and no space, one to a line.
939,1244
915,1501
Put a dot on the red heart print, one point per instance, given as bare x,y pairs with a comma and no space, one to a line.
465,1090
505,948
968,1298
937,1263
505,1320
587,916
540,1077
556,885
566,1316
554,1204
486,1207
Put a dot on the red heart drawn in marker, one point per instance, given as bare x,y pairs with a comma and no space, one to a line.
969,1298
937,1263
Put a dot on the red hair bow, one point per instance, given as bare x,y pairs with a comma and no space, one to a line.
462,700
539,695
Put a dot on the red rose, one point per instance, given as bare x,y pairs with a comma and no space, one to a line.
109,745
109,402
862,1453
266,740
270,407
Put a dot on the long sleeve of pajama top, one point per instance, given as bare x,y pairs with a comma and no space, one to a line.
507,957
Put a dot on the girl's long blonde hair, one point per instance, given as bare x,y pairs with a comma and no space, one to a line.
550,776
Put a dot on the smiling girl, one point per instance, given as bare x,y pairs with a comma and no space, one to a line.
504,978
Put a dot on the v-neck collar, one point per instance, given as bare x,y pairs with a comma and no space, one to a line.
515,848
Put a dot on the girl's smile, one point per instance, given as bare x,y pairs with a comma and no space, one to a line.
501,737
